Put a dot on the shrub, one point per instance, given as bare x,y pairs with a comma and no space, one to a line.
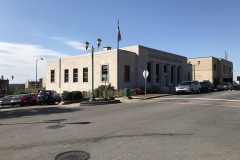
19,92
100,91
154,89
67,96
119,93
136,91
77,95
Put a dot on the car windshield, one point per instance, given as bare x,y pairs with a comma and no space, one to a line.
18,96
185,83
224,83
203,83
44,92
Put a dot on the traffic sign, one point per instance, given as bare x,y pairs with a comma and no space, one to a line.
145,74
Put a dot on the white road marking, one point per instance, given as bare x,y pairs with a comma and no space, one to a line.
209,99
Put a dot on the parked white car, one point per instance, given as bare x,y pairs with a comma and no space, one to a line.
188,87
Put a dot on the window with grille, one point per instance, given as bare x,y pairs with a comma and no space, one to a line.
85,74
105,73
75,75
52,76
66,75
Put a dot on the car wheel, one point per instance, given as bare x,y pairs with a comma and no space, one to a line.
199,90
191,92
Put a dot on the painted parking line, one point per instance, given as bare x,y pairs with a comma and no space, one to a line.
208,99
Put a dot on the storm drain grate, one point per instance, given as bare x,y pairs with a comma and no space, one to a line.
55,126
73,155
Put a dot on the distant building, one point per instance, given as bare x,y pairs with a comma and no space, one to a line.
33,84
213,69
16,86
124,69
4,87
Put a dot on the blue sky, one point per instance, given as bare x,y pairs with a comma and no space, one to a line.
50,29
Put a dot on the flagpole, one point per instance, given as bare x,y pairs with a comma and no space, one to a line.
117,55
118,36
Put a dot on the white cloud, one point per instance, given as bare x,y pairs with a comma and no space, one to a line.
76,45
19,60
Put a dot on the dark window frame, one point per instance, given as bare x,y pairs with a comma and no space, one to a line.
85,74
149,69
75,75
66,75
105,71
214,67
52,76
157,73
127,73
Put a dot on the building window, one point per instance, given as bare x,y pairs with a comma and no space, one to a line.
66,75
52,76
85,74
178,75
149,65
127,73
104,73
165,68
230,69
214,67
75,75
171,74
165,75
157,73
224,69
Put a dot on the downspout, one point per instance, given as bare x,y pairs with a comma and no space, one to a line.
60,72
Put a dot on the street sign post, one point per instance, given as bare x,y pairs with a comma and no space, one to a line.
105,76
145,75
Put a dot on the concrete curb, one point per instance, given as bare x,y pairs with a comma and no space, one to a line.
94,103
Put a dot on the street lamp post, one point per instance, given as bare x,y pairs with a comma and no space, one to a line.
92,98
36,71
194,68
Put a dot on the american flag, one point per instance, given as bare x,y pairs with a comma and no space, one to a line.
119,35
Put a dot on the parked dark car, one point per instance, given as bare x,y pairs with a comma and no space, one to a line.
207,86
48,97
6,100
225,86
17,99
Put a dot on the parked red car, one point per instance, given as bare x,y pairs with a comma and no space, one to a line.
24,99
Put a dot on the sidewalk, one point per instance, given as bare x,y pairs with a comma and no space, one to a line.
141,97
123,99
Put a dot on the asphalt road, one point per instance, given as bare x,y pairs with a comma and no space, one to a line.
187,127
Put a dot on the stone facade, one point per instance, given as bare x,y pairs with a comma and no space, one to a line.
124,68
213,69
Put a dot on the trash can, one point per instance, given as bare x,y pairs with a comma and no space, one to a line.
127,92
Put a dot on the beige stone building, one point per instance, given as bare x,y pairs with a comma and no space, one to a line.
213,69
124,69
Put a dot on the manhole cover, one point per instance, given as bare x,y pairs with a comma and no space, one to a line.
73,155
55,126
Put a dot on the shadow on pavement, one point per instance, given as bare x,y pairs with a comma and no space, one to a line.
35,112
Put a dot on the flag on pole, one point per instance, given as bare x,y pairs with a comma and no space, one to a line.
119,34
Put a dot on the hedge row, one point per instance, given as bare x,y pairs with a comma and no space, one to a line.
74,95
